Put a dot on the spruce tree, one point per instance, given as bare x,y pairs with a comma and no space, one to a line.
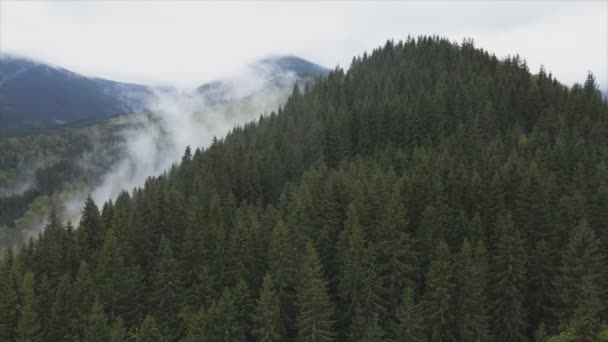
165,293
408,325
282,269
508,280
90,230
437,298
374,332
315,310
97,328
359,286
582,258
267,318
149,331
28,329
585,324
397,261
471,311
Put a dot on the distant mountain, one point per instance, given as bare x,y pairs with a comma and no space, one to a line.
35,95
263,75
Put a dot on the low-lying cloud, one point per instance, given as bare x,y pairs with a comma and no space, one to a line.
181,118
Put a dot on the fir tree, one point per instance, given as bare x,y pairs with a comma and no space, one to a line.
28,329
315,310
508,280
408,325
282,269
437,297
149,331
267,318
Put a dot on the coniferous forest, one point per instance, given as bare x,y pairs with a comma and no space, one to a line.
432,192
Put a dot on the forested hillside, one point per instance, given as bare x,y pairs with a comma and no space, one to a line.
430,193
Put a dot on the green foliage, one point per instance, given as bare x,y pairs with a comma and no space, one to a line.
437,298
149,331
29,329
408,325
449,196
315,310
508,280
267,317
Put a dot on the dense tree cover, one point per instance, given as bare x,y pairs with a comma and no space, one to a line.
430,193
38,166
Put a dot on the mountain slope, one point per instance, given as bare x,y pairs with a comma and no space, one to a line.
262,76
36,95
433,191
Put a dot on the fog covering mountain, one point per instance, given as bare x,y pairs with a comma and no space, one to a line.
272,73
431,192
121,153
36,95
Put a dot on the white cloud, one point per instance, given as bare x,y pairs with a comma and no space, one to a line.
189,42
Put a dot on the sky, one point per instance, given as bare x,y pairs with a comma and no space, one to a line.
191,42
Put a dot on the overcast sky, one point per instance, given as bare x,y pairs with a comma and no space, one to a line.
187,43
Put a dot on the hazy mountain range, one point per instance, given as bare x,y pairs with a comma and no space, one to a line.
35,95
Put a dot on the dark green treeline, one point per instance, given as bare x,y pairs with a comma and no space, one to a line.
430,193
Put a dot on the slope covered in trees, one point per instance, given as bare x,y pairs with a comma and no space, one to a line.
431,193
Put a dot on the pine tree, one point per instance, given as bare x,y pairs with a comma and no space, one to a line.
508,280
90,233
315,310
282,269
397,262
97,328
471,311
221,320
149,331
582,258
60,327
267,319
408,325
118,285
28,329
437,297
373,332
165,288
9,299
585,323
359,286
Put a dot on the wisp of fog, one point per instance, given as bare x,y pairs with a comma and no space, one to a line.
181,118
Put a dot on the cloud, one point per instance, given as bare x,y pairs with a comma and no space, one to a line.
188,42
179,119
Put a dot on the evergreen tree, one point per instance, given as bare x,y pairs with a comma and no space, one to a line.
437,297
471,313
585,323
149,331
408,325
90,233
282,269
9,299
397,262
359,286
221,320
165,288
582,258
508,280
28,329
315,310
267,319
373,333
97,328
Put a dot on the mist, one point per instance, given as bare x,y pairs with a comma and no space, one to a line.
179,118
